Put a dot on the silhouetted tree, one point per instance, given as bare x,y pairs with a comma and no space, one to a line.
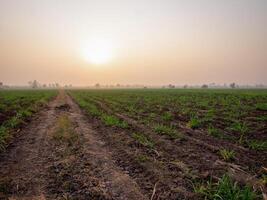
232,85
33,84
204,86
171,86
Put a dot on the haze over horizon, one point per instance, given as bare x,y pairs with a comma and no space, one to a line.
150,42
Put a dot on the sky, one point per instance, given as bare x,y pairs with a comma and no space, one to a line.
152,42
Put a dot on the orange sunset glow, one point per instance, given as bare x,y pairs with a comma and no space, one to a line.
133,42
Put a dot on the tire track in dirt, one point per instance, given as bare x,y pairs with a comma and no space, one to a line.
22,168
117,183
36,167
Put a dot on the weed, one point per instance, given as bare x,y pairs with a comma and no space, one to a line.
64,131
3,137
262,118
110,120
242,129
13,122
24,114
257,145
166,130
227,155
214,132
225,189
142,139
261,106
167,116
194,123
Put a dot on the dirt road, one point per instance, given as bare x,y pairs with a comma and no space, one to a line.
60,156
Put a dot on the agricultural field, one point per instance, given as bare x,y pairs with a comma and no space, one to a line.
16,109
136,144
185,142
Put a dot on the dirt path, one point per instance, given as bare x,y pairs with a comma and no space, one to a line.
42,164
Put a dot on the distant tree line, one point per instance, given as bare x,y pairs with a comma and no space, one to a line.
35,84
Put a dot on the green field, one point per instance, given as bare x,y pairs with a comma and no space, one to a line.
239,116
201,143
16,107
205,125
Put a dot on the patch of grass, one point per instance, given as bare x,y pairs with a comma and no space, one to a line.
242,129
142,139
167,116
261,106
13,122
214,132
262,118
225,189
3,137
166,130
227,155
25,114
64,131
152,116
110,120
257,145
89,107
194,123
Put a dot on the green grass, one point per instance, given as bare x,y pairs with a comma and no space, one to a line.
194,123
110,120
167,130
4,135
242,129
142,139
226,110
257,145
227,155
167,116
261,106
225,189
215,132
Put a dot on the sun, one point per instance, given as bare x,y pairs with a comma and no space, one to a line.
98,51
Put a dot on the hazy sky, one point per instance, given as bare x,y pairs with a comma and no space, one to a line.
146,41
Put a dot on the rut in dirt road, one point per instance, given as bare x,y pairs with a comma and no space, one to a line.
59,156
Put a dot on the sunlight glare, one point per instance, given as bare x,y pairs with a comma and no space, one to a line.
98,51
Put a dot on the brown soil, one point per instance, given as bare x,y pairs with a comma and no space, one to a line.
37,166
100,162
